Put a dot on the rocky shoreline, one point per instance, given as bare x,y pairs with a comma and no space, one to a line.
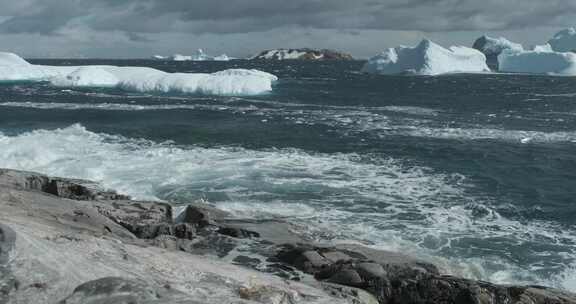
69,241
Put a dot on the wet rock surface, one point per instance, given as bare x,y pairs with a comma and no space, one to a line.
398,279
84,245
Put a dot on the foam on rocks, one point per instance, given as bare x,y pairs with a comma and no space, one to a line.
138,79
428,58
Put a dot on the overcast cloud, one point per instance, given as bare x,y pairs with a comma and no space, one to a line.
136,28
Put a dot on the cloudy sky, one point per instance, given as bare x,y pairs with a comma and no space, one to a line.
140,28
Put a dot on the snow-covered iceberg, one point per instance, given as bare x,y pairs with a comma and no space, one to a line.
541,60
139,79
428,58
492,47
564,41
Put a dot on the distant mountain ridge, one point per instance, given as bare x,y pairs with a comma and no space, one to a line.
302,54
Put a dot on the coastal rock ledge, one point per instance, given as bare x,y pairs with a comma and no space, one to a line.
70,241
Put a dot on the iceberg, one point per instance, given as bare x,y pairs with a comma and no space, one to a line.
160,57
541,60
138,79
222,57
199,56
178,57
87,76
492,47
542,48
564,41
428,58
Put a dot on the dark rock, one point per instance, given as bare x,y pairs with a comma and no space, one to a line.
65,188
201,216
269,230
238,233
371,270
302,54
247,261
347,277
184,231
7,240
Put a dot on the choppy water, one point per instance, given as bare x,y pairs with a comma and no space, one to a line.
477,172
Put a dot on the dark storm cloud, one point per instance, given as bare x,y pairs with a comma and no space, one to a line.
238,16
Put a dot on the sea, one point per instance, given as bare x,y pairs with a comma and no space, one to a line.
474,172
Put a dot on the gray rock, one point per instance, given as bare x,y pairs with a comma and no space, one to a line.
371,270
114,290
66,188
201,216
398,279
7,281
347,277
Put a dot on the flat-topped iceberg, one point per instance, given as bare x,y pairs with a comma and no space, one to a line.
564,41
199,56
428,58
541,60
138,79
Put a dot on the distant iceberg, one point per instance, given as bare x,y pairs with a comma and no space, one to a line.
428,58
178,57
564,41
160,57
492,47
199,56
222,57
138,79
541,60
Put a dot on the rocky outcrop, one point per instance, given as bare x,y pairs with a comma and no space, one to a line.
56,249
302,54
397,279
82,244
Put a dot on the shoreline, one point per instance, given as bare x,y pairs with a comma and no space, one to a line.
69,241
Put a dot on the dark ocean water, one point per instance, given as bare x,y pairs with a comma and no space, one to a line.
476,172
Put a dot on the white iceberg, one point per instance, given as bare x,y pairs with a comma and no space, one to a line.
199,56
428,58
538,61
494,46
138,79
564,41
87,76
222,57
543,48
178,57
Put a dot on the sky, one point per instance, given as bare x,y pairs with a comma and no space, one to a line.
142,28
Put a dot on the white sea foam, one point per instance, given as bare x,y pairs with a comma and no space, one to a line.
339,196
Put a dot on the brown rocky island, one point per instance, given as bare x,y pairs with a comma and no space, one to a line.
302,54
